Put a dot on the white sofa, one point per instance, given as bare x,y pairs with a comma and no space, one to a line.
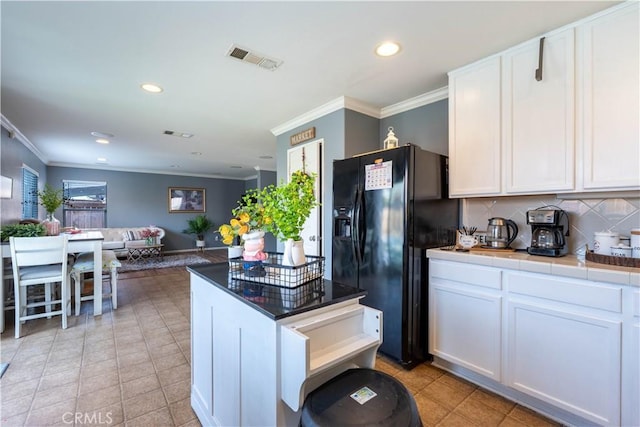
118,239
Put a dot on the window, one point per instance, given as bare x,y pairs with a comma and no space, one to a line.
85,204
29,193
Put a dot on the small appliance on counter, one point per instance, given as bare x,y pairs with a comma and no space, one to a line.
500,233
547,232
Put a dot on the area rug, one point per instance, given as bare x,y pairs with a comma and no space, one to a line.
167,261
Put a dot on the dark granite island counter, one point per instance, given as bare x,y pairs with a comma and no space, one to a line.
254,359
332,293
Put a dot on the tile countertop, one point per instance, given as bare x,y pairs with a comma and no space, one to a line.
566,266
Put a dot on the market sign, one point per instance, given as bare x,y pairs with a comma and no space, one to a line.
305,135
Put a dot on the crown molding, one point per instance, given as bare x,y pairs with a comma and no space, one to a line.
14,132
323,110
361,107
415,102
345,102
147,171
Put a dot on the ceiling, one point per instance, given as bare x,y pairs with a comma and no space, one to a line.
72,68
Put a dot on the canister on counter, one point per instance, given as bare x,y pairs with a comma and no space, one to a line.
603,240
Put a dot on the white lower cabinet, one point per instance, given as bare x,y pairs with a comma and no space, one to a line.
465,317
568,347
569,356
631,359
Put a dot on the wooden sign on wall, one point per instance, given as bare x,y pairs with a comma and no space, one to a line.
305,135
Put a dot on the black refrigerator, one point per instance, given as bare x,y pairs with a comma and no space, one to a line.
389,206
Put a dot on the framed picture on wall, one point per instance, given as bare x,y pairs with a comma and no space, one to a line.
185,199
6,185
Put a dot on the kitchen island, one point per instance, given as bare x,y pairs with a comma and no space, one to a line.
254,360
559,335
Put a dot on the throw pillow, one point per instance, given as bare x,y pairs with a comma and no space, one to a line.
132,235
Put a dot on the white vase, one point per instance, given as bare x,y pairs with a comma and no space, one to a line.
235,251
51,224
293,253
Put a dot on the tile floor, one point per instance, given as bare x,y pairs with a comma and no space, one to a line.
131,366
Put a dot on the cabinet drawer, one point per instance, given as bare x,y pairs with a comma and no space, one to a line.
466,273
571,291
317,344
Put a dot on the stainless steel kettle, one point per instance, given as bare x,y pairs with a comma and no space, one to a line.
501,232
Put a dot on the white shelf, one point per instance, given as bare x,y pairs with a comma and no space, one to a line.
339,352
326,343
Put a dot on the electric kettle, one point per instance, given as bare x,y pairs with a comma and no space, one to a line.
501,232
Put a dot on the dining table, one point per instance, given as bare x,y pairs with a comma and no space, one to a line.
90,241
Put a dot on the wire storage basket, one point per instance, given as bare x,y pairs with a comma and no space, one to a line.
271,282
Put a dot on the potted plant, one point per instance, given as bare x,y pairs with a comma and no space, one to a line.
199,225
21,230
245,231
51,199
288,206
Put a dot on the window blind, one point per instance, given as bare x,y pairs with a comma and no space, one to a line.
29,194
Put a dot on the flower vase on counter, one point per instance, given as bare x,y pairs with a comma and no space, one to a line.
254,254
150,241
52,225
293,253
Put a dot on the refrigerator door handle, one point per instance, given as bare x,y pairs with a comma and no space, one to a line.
355,227
360,228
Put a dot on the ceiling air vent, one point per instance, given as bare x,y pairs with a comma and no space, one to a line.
254,58
178,134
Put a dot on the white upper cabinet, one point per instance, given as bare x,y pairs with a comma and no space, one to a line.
474,129
538,116
576,129
609,90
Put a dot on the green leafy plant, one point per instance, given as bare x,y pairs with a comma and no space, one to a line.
289,205
21,230
198,225
50,198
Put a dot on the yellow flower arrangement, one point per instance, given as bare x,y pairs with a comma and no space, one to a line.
248,216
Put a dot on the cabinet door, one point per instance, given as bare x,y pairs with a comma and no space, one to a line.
464,327
630,363
538,116
568,359
474,129
609,73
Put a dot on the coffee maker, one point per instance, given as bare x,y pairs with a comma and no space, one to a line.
547,232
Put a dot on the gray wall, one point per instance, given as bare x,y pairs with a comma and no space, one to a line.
141,199
426,127
13,155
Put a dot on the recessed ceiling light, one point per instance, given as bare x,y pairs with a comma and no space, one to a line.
151,87
196,153
387,49
174,166
102,141
101,159
102,134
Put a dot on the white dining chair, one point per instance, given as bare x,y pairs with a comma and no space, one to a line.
39,261
84,264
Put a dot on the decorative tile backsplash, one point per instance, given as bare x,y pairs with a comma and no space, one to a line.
586,216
